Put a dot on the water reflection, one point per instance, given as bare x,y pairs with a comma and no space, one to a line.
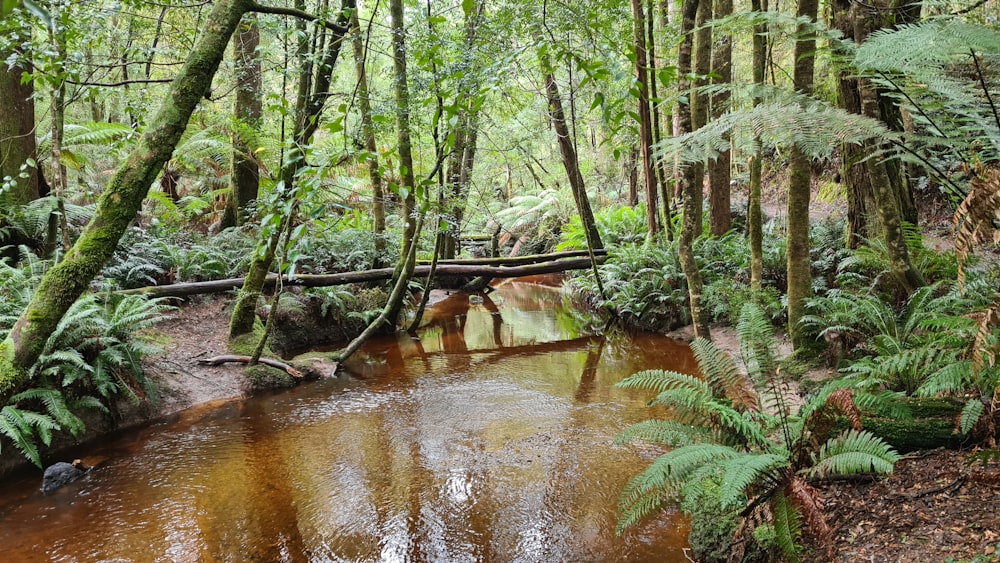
486,437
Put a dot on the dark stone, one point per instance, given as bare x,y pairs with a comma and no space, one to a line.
60,474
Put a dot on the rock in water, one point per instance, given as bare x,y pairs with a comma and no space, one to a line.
60,474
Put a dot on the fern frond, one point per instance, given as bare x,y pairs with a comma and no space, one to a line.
14,426
854,452
667,432
722,374
757,342
787,527
749,469
971,413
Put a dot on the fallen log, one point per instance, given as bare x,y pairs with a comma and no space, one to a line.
227,358
326,280
519,260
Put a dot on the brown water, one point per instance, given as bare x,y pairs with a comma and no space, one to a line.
488,438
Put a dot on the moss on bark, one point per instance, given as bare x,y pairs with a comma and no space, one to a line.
120,202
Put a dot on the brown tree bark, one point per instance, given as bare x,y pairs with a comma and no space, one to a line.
754,214
799,184
17,132
645,123
720,206
245,173
693,173
368,132
569,158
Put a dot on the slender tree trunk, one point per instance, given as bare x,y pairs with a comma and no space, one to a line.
569,158
645,125
754,214
405,153
721,217
64,283
692,183
368,132
654,62
245,175
307,121
799,184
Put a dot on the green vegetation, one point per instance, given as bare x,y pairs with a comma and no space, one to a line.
130,128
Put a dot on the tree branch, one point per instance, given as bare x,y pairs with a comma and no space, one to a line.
122,82
256,7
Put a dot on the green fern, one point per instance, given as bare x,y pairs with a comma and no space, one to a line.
851,453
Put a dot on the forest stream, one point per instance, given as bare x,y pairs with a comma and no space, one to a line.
489,437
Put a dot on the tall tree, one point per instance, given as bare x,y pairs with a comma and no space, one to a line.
645,122
408,185
569,156
721,218
799,184
64,283
309,110
245,173
368,132
692,174
754,214
17,119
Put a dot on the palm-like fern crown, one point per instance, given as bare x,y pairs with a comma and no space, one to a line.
941,72
723,436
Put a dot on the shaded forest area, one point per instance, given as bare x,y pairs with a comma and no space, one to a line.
682,150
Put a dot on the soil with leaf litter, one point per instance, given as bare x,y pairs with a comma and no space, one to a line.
939,505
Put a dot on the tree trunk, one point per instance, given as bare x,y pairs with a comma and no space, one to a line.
654,62
754,214
17,132
645,124
500,268
569,158
405,267
306,123
117,207
368,132
721,217
692,183
245,181
799,184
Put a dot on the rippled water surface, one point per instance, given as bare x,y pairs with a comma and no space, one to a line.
488,438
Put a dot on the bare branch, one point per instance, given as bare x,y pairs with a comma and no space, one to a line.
332,26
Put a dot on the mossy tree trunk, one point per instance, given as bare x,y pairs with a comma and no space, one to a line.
118,205
693,173
245,173
17,125
720,214
404,268
654,62
799,185
307,121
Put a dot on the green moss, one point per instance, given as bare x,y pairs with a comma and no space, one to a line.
916,434
246,344
263,378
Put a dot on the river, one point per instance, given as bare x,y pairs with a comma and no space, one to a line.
488,437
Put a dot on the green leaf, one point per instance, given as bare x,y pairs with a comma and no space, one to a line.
468,6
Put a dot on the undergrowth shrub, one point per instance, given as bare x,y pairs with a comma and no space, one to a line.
92,358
